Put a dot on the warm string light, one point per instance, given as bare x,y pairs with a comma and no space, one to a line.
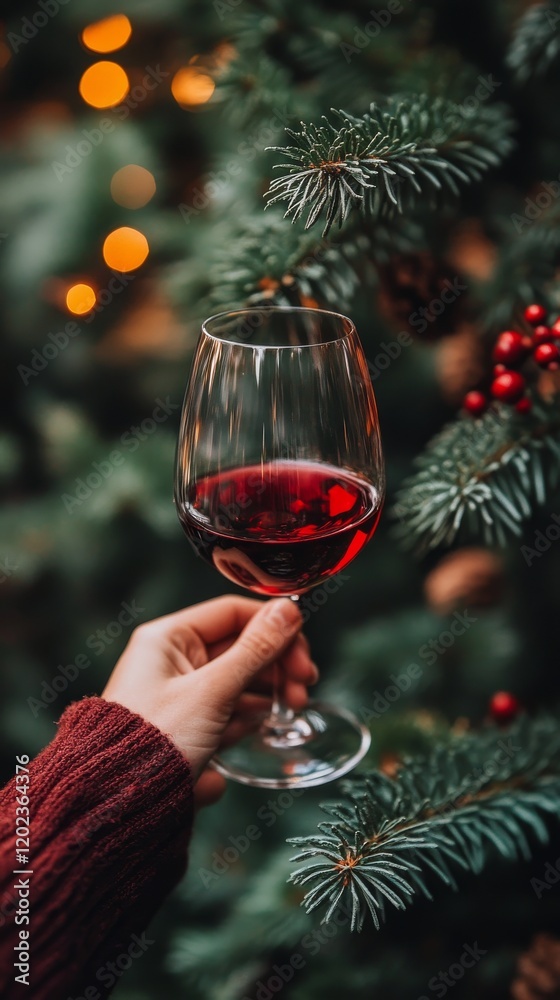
107,35
125,249
133,186
104,84
192,86
80,299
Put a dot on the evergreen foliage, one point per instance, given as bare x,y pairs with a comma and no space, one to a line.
453,809
536,42
482,478
396,154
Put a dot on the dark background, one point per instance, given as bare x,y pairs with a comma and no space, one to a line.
68,573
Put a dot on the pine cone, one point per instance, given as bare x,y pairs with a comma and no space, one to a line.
470,578
470,250
538,971
459,364
548,384
421,294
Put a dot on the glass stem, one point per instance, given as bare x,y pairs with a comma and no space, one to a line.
280,715
280,722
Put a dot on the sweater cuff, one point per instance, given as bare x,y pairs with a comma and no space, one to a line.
111,811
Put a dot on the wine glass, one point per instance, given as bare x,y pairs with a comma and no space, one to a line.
280,484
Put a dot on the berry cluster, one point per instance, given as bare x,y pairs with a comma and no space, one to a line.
511,350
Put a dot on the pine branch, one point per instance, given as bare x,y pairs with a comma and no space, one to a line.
481,478
536,42
452,809
254,88
391,157
275,264
526,269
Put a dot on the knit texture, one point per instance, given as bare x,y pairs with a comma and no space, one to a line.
111,812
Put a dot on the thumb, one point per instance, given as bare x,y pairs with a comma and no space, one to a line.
263,640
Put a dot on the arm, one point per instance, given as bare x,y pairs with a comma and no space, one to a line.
112,796
111,811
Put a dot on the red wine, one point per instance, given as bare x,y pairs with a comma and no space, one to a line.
282,527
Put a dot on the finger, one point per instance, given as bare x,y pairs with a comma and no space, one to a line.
248,703
297,663
209,788
295,695
264,639
213,620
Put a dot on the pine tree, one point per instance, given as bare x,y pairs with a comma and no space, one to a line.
360,159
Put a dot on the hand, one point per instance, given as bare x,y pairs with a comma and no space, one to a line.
201,674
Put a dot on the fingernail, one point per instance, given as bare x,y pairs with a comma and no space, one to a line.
285,611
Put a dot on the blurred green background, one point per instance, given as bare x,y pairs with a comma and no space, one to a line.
208,86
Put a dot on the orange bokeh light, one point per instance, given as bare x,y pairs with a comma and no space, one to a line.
125,249
133,186
107,35
190,87
80,299
5,55
104,84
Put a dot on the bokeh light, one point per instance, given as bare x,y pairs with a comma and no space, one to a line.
191,86
133,186
80,299
5,54
104,84
125,249
107,35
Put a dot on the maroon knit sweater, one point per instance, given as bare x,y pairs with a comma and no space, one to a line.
111,812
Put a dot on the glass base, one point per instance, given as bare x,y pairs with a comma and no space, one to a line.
317,745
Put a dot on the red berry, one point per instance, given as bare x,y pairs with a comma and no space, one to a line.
509,348
475,403
525,405
556,327
547,356
504,706
499,369
535,314
508,387
542,335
